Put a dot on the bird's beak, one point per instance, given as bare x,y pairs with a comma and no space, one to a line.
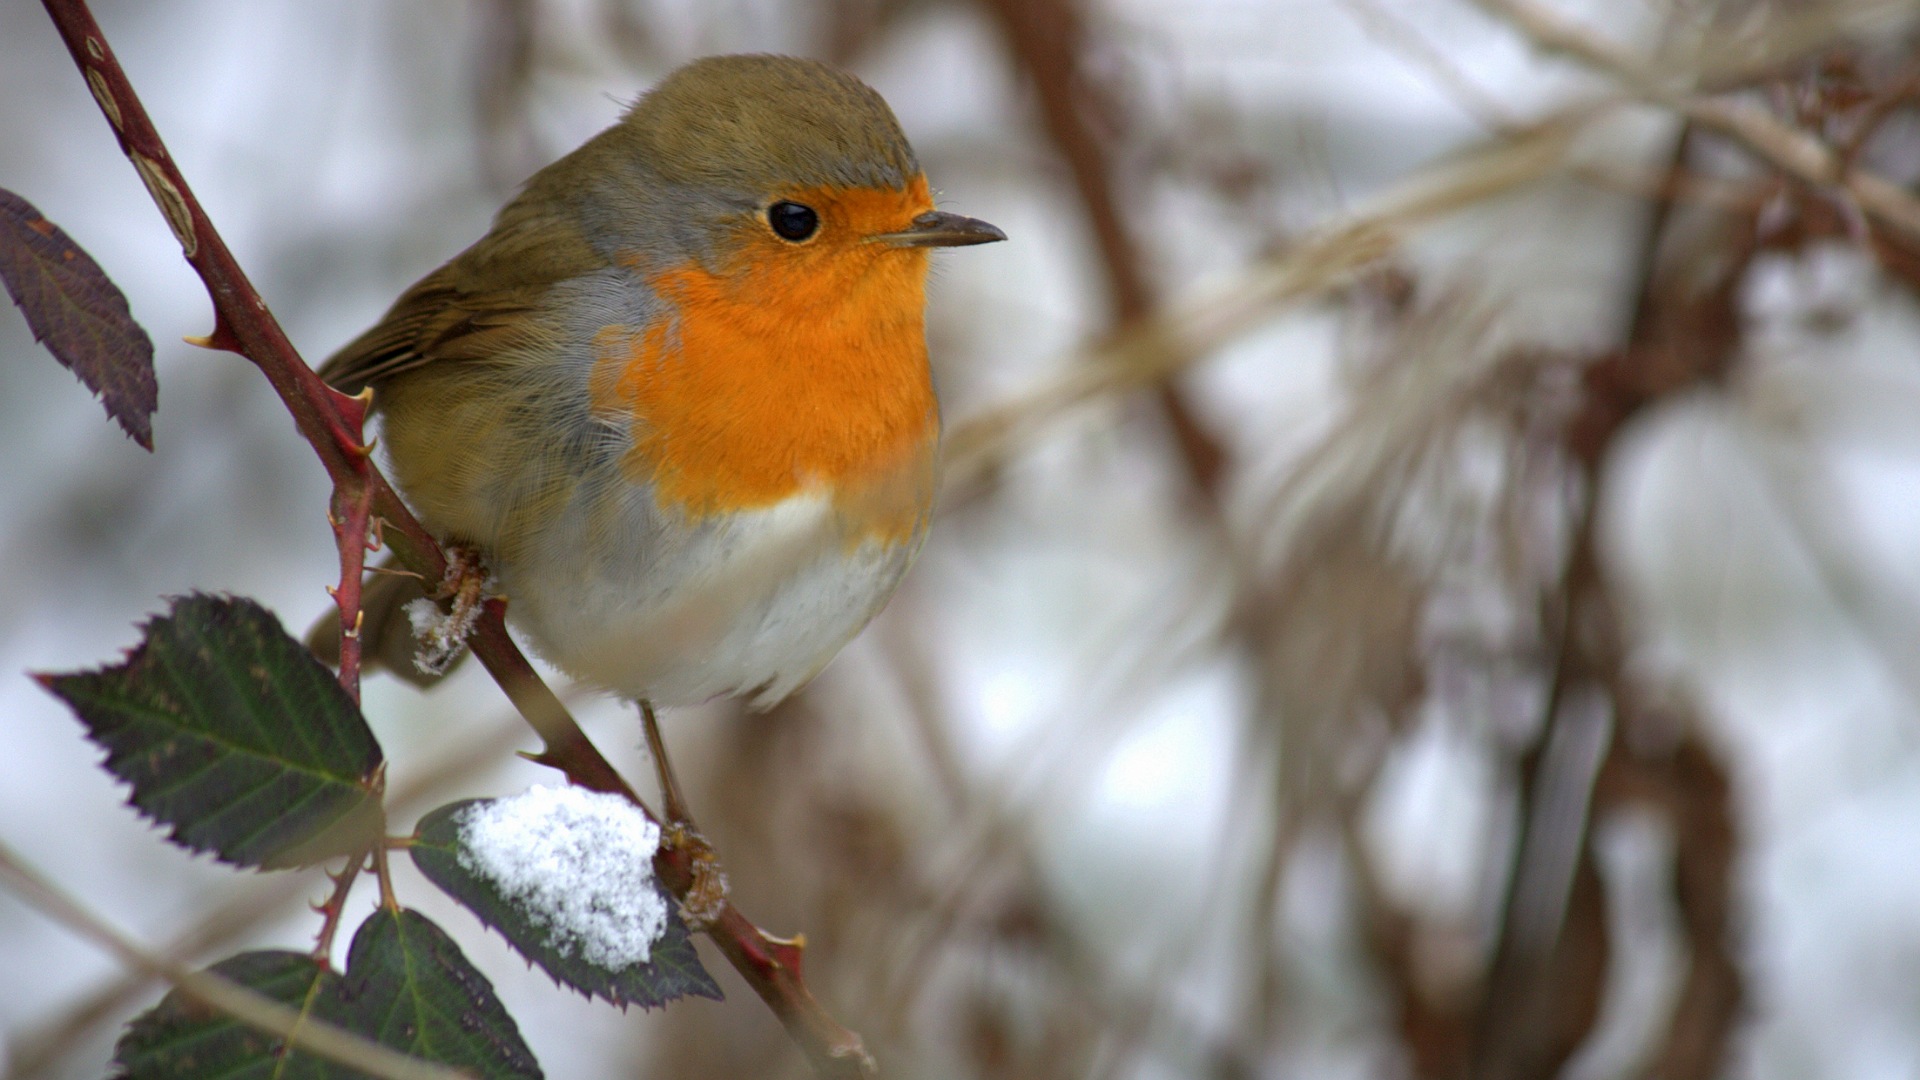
937,228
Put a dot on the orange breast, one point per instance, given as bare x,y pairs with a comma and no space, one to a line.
795,368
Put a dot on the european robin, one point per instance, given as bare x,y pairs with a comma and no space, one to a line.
678,396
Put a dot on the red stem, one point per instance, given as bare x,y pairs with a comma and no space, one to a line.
335,906
332,424
350,516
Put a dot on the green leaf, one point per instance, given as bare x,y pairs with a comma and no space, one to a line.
673,969
408,986
230,731
77,311
180,1037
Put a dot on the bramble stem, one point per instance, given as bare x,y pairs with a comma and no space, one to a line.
335,906
332,424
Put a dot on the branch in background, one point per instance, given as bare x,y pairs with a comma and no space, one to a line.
1684,333
1550,960
1689,786
332,424
253,1009
1792,151
1048,40
1318,263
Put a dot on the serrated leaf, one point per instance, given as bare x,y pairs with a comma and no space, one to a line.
408,986
230,732
79,314
180,1037
673,969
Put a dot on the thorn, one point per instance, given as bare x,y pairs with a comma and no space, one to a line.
359,622
786,952
220,340
352,411
331,591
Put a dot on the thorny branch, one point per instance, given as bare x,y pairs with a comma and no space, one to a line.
332,424
334,906
351,517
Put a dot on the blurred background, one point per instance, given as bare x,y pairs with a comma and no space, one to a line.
1426,585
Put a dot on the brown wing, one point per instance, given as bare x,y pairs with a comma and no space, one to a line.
471,307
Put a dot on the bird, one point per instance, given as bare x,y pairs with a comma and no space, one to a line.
678,397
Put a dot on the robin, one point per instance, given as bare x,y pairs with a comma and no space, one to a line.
677,398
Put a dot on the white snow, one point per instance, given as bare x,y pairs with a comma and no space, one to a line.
441,635
578,863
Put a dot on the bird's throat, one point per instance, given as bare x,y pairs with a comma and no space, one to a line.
798,375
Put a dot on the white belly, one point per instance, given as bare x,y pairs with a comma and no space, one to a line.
753,604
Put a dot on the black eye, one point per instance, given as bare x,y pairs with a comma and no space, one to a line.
793,221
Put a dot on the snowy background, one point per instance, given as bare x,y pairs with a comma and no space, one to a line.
1072,806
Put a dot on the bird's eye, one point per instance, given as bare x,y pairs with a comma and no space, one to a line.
792,221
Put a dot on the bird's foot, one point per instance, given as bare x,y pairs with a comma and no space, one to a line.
441,632
706,898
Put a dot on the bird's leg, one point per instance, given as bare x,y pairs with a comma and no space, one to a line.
676,803
708,893
465,580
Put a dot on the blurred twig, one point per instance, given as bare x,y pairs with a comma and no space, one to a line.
1049,40
1690,785
1684,332
1535,1012
1792,151
249,1007
1193,327
1788,33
